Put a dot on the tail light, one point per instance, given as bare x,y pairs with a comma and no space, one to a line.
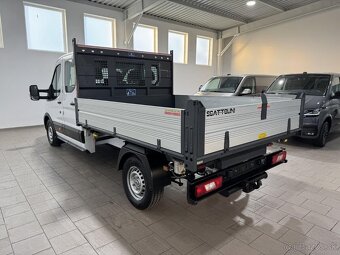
279,157
208,186
201,167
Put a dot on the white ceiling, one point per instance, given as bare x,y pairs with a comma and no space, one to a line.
216,15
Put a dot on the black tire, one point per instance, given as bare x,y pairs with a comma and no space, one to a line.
324,132
51,134
141,193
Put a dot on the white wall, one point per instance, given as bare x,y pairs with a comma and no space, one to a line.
310,44
20,67
187,77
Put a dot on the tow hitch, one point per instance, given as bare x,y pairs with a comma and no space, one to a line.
253,184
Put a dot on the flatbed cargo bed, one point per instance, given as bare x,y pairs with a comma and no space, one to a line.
142,109
207,125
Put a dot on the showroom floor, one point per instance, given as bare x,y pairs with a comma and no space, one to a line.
63,201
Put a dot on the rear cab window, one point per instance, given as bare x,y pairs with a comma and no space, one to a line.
70,76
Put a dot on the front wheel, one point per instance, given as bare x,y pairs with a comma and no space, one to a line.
138,185
324,132
51,134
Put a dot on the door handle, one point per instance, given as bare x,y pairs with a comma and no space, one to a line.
59,102
72,104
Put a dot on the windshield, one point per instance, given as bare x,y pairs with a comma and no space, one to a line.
222,84
310,84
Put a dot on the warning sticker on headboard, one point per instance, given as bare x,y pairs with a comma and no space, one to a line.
172,112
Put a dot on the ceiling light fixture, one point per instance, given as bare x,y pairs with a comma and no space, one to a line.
251,3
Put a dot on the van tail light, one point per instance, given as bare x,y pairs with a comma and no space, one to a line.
279,157
208,186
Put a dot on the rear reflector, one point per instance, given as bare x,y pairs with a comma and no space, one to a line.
208,186
201,167
280,157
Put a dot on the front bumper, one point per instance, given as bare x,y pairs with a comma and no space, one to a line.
310,129
237,177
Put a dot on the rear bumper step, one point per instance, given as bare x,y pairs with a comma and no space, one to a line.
247,182
246,186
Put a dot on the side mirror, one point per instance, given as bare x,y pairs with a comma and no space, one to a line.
199,88
335,95
246,92
34,93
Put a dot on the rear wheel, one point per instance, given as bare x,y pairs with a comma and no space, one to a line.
51,134
324,132
138,185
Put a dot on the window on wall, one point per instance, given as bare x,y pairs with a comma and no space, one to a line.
99,31
1,36
178,42
45,28
204,51
145,38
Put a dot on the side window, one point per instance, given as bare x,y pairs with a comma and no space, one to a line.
249,83
213,84
262,83
70,76
56,82
336,84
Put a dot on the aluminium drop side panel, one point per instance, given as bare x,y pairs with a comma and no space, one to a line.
244,124
156,126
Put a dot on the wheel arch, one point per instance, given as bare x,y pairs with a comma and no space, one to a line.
128,151
153,161
46,118
329,120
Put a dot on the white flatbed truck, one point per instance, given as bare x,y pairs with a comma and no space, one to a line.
125,98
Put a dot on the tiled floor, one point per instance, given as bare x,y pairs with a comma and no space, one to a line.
63,201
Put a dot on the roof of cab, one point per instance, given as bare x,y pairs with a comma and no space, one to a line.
67,55
245,75
310,74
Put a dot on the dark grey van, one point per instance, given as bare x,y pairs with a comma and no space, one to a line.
322,107
236,85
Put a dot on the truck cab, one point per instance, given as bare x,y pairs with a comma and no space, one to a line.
60,118
322,105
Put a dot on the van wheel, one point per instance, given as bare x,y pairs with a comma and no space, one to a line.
324,132
51,134
138,185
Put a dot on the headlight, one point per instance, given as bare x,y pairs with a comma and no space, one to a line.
315,112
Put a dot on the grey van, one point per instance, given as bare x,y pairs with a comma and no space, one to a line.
322,106
235,85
